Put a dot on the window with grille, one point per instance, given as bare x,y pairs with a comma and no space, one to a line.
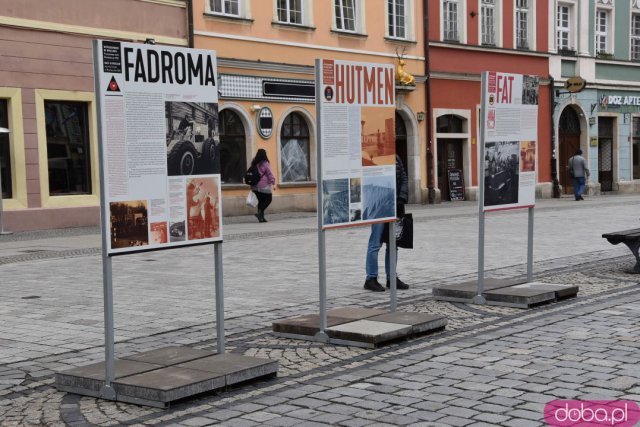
295,149
522,24
488,16
290,11
397,18
602,28
345,15
563,28
450,24
5,159
635,37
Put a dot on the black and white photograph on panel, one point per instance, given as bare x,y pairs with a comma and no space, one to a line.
355,190
193,141
129,224
530,86
335,201
177,231
501,173
355,214
378,196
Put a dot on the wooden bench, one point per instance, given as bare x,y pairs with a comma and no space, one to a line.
631,238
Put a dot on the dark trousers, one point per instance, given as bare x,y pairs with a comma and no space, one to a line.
264,200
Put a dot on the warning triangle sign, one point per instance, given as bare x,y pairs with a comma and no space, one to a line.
113,85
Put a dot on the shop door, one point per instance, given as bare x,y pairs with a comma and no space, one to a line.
605,153
568,144
449,157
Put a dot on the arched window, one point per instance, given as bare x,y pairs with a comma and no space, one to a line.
233,147
294,150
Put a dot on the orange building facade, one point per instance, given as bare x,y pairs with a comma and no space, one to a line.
266,52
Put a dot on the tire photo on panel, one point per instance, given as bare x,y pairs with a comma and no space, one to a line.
193,142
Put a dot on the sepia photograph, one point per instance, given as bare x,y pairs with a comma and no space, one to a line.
378,196
335,201
129,224
193,142
378,135
355,190
527,156
202,208
501,173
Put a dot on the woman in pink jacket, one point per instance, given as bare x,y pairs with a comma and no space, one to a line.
265,186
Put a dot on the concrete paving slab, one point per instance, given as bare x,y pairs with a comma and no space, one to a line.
519,297
90,378
420,322
354,313
465,291
168,356
235,367
367,333
562,291
307,325
162,386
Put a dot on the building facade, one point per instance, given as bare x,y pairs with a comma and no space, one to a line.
598,41
468,37
49,160
266,51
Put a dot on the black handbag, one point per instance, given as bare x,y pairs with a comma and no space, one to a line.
404,232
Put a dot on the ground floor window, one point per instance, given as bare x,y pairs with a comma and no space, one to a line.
5,158
636,147
233,149
67,127
294,151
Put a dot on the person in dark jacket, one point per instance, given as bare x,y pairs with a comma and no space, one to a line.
402,196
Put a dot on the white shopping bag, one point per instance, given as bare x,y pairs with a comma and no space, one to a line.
252,199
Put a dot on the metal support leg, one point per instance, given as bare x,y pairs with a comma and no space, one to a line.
322,336
107,391
219,298
392,265
530,248
479,298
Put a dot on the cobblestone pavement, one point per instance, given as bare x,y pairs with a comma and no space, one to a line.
492,366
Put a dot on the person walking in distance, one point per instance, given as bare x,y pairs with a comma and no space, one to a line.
579,172
402,195
263,189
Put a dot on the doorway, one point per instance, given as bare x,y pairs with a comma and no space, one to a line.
401,141
605,153
568,143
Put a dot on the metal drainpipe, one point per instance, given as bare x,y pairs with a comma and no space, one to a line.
430,178
554,166
190,22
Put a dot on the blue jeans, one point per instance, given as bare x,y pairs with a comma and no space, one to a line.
372,252
578,186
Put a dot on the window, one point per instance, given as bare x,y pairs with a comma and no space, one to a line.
602,28
290,11
233,149
226,7
635,37
636,148
563,27
345,15
294,150
67,127
5,158
522,24
397,10
488,19
450,17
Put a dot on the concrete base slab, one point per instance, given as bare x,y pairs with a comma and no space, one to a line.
562,291
179,373
420,323
354,313
368,332
305,325
519,296
465,291
168,356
